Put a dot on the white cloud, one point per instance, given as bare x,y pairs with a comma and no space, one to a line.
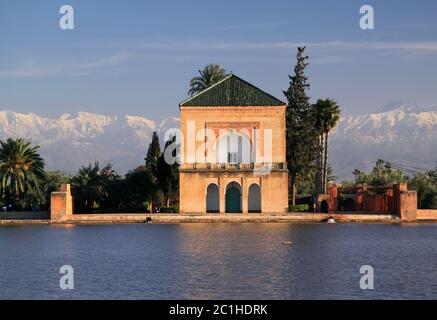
324,52
72,69
201,45
198,50
260,26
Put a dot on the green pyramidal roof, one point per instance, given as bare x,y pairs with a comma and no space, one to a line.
232,91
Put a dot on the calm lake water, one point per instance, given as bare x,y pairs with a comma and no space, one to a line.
218,261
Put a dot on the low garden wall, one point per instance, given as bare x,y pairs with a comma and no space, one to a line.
24,215
426,214
187,218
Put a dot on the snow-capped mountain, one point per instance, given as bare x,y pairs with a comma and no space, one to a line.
67,142
405,134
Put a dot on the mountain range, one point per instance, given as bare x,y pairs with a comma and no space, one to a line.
405,135
68,142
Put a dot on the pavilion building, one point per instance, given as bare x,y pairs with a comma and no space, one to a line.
233,151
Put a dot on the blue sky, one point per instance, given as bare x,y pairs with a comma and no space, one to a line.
137,57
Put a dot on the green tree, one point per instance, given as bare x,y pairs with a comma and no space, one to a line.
168,173
360,176
308,185
40,199
301,134
91,186
21,169
153,154
53,181
382,174
210,75
426,187
327,113
432,174
157,200
140,188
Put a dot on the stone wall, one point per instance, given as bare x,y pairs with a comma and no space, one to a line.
25,215
394,199
404,202
426,214
61,204
221,218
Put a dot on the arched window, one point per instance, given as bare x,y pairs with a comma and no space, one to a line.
234,147
212,199
254,199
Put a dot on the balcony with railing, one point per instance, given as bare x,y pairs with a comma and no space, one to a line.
233,166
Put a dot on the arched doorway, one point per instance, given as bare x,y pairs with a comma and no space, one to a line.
212,199
233,198
349,205
254,199
324,206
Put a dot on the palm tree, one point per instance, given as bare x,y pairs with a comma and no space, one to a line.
319,125
327,117
91,185
360,176
21,168
210,75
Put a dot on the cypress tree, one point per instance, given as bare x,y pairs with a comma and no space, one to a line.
168,174
153,154
301,134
